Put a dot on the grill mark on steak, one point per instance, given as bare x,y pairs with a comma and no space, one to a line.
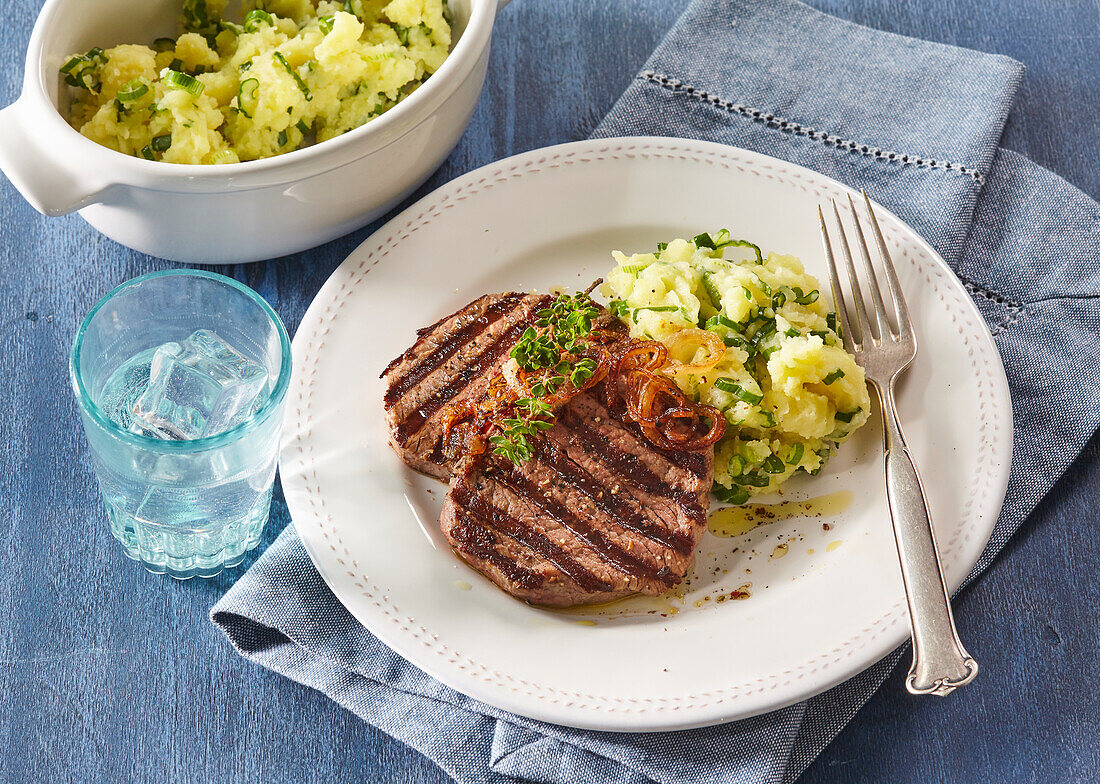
500,520
601,544
476,541
447,347
487,359
625,514
624,463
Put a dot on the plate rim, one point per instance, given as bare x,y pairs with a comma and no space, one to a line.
588,716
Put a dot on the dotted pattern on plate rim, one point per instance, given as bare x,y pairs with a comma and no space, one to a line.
980,485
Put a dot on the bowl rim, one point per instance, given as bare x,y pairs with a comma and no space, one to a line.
271,406
315,159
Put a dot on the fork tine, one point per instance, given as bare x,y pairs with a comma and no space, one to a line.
882,320
901,309
862,322
834,279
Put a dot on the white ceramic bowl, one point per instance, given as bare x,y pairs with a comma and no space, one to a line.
235,212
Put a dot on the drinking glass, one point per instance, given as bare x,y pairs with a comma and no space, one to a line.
182,507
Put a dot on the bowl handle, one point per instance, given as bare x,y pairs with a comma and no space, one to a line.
37,173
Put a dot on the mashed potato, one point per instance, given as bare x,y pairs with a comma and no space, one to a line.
788,389
293,72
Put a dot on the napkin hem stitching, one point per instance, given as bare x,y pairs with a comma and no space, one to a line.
779,123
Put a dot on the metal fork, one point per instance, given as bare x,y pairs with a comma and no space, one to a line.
885,348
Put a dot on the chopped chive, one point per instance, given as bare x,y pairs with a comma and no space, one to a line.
792,333
164,45
281,138
661,247
748,294
779,300
847,416
302,126
147,153
161,143
836,374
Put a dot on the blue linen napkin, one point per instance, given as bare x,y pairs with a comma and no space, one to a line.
915,123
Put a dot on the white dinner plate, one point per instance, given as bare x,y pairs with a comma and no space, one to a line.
826,596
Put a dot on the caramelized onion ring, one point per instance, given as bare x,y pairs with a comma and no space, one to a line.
716,349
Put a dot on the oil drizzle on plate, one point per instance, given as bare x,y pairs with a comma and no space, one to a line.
739,520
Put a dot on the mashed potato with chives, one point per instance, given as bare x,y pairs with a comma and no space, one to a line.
290,73
789,391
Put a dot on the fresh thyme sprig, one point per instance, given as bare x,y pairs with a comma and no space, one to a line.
548,352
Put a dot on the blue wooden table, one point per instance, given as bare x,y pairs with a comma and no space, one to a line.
108,673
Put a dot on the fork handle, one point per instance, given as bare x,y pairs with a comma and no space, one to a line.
940,663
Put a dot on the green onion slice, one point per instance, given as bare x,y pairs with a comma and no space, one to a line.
633,269
281,138
752,480
132,90
773,465
794,457
297,79
836,374
161,143
736,495
656,309
737,391
325,24
256,19
248,96
847,416
164,45
147,153
184,82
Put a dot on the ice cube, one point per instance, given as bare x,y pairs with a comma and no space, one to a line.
198,387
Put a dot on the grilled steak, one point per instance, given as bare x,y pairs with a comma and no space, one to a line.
597,514
453,359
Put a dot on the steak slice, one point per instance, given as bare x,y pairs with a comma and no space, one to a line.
451,360
596,514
